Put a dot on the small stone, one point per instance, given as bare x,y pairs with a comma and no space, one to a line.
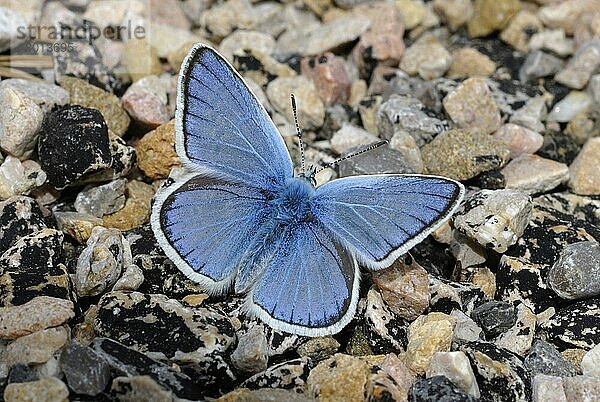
485,280
156,152
334,34
20,121
101,262
466,329
520,28
382,160
36,348
581,66
590,364
531,114
575,274
427,57
136,210
463,154
85,371
166,38
39,313
491,15
350,136
397,379
131,279
243,40
226,17
413,12
520,140
319,348
469,62
44,94
456,367
495,317
404,287
73,142
407,115
341,377
495,218
547,388
264,395
553,40
559,146
251,353
585,170
79,226
406,145
45,390
539,64
582,388
385,331
84,94
18,177
20,373
437,388
455,13
575,326
123,160
20,216
574,103
447,296
139,388
101,200
427,335
291,374
310,108
533,174
329,75
141,59
574,356
519,337
146,102
471,105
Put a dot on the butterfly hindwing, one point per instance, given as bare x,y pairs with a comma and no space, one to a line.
222,129
309,286
381,217
206,225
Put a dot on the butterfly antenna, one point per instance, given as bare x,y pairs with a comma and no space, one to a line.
298,131
368,148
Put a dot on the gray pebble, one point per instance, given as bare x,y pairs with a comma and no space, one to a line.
86,372
576,272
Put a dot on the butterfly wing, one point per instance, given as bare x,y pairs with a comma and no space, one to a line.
221,128
380,217
309,285
206,225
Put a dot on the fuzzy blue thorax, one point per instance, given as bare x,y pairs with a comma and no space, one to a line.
292,204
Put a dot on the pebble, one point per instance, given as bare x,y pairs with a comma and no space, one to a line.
243,41
19,373
37,314
45,94
533,174
101,262
581,388
520,140
385,331
20,121
520,28
585,170
264,395
310,108
455,13
519,337
131,278
590,364
351,136
491,15
73,142
575,326
140,59
427,335
251,354
547,388
156,152
79,226
20,216
9,33
44,390
291,374
405,115
333,35
447,296
575,273
410,153
494,218
469,62
85,371
574,103
36,348
18,177
581,66
319,348
456,367
427,57
539,64
89,96
383,160
123,159
167,39
101,200
139,388
404,287
553,40
136,211
472,95
146,102
341,377
330,77
495,317
463,154
224,18
531,114
437,388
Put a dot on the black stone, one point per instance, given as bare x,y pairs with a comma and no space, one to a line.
494,317
85,371
448,295
543,358
21,373
335,117
290,374
437,388
575,326
382,160
559,146
20,216
73,142
490,180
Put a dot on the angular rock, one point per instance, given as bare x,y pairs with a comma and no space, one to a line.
20,216
520,28
543,358
78,226
39,313
575,273
290,374
319,348
349,136
427,57
590,364
17,178
466,330
539,64
553,40
85,371
547,388
45,390
495,317
156,152
136,211
584,172
20,121
490,15
447,296
463,154
330,77
559,146
427,335
575,325
385,331
581,388
574,103
36,348
101,200
454,366
531,114
341,377
266,395
472,106
334,34
454,12
245,40
44,94
519,337
469,62
310,108
532,174
437,388
581,66
251,354
519,139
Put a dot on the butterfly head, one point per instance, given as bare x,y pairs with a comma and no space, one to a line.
309,175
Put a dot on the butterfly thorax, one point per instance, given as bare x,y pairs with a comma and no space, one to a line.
292,203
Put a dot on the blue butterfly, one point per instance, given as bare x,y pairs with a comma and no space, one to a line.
239,218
